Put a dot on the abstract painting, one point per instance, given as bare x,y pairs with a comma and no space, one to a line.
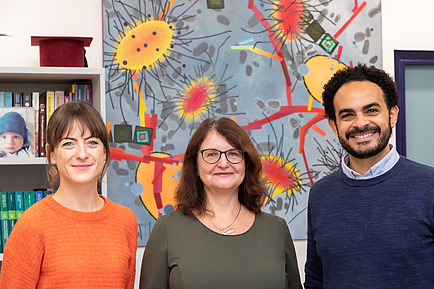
170,64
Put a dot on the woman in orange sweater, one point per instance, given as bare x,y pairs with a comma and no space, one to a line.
74,238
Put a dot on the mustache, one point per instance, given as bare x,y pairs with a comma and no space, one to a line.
363,130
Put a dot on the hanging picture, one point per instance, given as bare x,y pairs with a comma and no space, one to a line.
172,64
17,132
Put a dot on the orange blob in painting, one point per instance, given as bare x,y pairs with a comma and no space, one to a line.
321,69
144,45
158,196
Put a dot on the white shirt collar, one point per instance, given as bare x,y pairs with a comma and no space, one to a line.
384,165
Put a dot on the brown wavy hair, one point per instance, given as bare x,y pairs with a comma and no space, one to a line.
190,194
61,123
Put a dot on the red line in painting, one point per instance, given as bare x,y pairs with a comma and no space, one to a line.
318,130
119,154
159,174
339,52
351,64
356,5
350,20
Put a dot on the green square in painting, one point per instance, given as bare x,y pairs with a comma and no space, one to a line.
123,133
215,4
315,30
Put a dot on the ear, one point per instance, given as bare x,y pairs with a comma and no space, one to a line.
52,156
332,124
393,115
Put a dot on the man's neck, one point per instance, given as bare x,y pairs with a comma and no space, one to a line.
361,166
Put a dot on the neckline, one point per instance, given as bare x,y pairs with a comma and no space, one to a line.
78,215
230,235
375,180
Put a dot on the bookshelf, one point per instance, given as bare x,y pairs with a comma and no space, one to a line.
24,174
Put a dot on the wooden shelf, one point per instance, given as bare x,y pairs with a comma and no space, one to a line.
21,174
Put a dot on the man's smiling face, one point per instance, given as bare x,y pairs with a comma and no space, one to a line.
363,122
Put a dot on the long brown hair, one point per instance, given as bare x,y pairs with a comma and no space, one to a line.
190,193
61,123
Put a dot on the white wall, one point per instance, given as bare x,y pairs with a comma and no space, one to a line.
25,18
405,26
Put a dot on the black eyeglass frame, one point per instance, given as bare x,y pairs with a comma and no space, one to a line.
220,156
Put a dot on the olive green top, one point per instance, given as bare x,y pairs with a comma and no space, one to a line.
183,253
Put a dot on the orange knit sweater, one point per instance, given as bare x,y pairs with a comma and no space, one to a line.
52,246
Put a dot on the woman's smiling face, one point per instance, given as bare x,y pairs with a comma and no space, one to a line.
223,175
79,157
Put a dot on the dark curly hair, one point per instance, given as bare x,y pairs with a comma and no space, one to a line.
361,72
190,194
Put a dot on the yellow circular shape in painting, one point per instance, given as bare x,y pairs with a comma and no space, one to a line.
144,45
321,69
158,175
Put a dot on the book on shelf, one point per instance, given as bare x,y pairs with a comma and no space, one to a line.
29,199
12,217
42,124
70,92
26,100
58,98
50,105
12,206
17,99
35,104
19,204
79,95
1,243
67,98
4,217
88,92
39,195
8,99
46,193
2,98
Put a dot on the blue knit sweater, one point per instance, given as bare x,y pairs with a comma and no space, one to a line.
375,233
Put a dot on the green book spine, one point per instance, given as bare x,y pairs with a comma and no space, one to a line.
4,217
47,192
29,199
19,204
11,209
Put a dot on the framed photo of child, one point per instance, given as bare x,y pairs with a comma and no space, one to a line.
17,132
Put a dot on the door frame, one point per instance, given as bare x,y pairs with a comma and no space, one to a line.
402,59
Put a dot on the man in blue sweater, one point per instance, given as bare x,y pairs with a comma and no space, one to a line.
371,223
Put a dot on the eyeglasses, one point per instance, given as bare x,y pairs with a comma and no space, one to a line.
211,156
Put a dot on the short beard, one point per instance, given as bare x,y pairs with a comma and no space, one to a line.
368,152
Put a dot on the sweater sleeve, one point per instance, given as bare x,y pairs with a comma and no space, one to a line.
133,250
23,256
155,268
293,275
313,267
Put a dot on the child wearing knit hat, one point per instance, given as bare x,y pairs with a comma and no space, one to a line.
13,136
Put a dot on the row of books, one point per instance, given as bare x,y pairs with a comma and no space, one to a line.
15,99
76,91
12,206
44,104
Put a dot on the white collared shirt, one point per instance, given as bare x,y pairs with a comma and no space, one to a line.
384,165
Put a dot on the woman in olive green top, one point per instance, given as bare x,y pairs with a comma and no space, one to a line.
218,237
